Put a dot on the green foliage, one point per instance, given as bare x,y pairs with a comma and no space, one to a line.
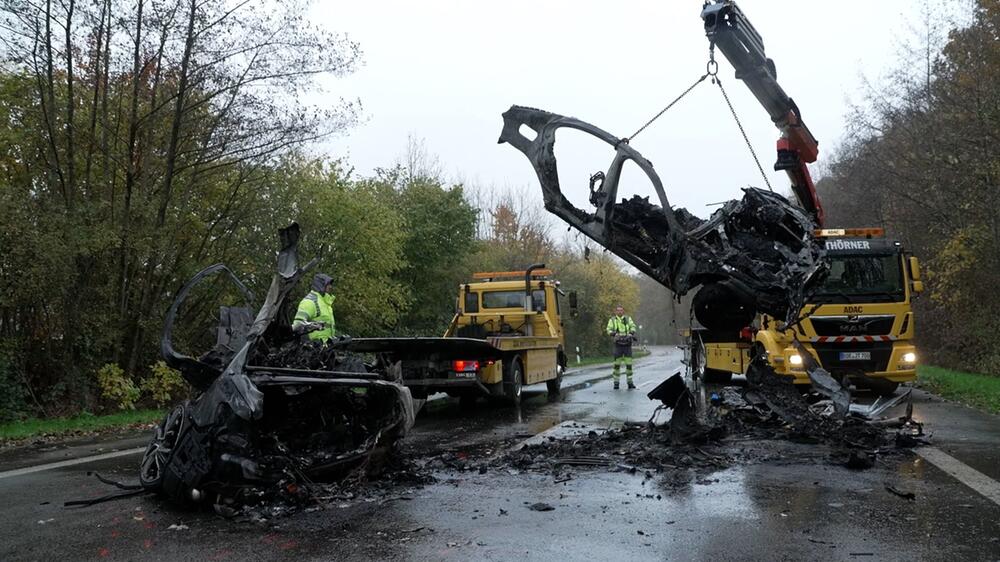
439,234
163,384
13,396
517,236
976,390
116,387
84,422
922,161
359,239
601,284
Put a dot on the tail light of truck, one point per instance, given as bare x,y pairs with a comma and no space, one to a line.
464,366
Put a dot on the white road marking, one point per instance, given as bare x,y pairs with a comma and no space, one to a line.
647,383
962,472
70,462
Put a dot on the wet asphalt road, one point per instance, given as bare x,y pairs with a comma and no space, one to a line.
790,508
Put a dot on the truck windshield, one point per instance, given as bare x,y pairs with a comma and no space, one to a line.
513,299
862,278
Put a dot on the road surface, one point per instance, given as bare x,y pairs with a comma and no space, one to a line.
785,508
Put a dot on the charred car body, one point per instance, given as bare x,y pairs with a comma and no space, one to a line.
271,410
753,255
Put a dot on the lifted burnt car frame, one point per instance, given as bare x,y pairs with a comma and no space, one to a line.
758,251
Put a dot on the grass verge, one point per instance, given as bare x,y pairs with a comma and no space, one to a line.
972,389
588,361
13,431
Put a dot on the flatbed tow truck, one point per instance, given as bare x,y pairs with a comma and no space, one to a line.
859,324
506,333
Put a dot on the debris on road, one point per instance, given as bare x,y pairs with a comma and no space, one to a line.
695,440
540,506
903,494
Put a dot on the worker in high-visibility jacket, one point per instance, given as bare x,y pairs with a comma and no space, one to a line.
622,329
315,314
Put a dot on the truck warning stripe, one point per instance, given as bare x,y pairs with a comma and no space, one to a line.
851,339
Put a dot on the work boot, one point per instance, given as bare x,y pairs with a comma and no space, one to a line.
616,385
631,385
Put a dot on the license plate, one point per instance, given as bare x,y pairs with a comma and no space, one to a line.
855,355
466,375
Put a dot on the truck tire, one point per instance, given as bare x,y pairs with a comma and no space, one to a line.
554,386
513,381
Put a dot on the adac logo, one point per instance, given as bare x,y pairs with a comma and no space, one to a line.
853,310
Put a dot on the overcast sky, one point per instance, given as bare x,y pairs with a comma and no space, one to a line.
444,71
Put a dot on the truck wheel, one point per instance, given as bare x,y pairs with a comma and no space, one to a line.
512,381
555,385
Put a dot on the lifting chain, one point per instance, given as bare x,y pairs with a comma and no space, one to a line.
718,82
669,105
712,68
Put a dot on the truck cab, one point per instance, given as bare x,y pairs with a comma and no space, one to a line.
859,325
515,318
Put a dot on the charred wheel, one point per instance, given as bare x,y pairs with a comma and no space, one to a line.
161,448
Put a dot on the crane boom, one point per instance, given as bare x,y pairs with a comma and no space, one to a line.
728,29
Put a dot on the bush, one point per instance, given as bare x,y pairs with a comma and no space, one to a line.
116,387
163,384
13,397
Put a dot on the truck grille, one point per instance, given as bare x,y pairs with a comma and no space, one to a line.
829,356
852,325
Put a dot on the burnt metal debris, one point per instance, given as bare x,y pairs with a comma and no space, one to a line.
272,414
769,419
756,254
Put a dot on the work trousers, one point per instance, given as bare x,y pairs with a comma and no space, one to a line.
623,354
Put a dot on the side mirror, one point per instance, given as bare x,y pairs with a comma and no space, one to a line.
573,311
471,301
917,284
914,269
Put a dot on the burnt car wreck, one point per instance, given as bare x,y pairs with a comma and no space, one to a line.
272,414
753,255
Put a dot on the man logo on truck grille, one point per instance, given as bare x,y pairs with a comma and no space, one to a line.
853,325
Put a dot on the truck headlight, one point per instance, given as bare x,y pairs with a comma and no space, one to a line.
795,359
909,357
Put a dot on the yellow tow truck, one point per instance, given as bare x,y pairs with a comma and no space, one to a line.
859,324
507,332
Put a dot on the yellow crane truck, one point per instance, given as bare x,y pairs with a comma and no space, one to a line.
507,332
859,324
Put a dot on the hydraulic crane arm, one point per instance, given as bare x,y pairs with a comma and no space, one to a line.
728,29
